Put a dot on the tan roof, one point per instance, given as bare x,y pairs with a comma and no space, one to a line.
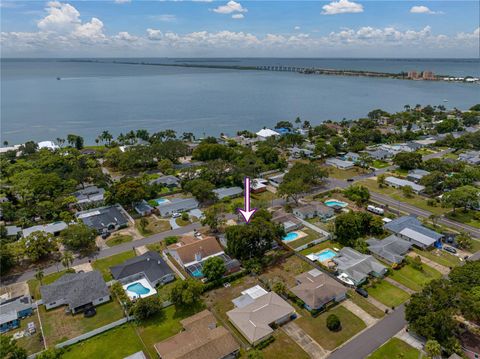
254,319
202,339
206,247
317,289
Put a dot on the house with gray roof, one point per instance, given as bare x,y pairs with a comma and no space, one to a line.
313,209
352,156
416,175
228,192
89,197
338,163
276,180
380,154
174,205
470,157
167,181
297,152
13,231
400,183
12,310
412,230
104,219
76,290
143,208
149,265
357,266
391,249
53,228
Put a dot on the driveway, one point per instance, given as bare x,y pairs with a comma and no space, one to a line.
305,341
359,312
399,285
173,223
442,269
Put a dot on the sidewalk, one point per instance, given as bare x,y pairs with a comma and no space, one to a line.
409,339
399,285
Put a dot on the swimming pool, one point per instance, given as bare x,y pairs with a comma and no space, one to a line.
138,288
325,255
161,200
334,202
197,273
290,236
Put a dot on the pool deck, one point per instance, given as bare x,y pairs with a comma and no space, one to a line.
143,282
314,256
301,234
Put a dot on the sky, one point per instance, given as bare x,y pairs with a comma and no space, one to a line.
203,28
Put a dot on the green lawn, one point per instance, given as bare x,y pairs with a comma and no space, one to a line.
380,164
264,196
104,264
59,326
388,294
154,226
283,347
415,279
472,218
32,343
118,239
365,304
116,343
440,257
181,222
311,235
395,348
34,285
318,247
334,172
317,327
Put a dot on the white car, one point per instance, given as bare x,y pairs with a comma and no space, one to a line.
176,215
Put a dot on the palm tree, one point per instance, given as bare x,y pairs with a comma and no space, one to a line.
67,259
5,143
298,121
433,217
39,276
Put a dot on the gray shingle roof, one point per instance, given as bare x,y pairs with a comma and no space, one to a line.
151,264
101,218
357,265
76,288
392,248
409,226
89,194
10,308
177,204
48,228
166,180
224,192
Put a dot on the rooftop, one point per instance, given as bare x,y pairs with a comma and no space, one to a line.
392,248
151,264
402,183
225,192
51,228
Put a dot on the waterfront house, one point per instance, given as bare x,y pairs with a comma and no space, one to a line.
412,230
77,291
257,311
200,338
104,219
266,133
149,265
357,266
391,249
317,289
338,163
175,205
88,197
12,310
52,228
400,183
228,192
49,145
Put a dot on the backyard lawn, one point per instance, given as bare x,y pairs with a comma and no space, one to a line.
334,172
104,264
32,343
395,348
439,256
413,278
317,327
283,347
59,326
380,164
388,294
34,285
116,343
311,235
365,304
318,247
286,271
116,239
153,226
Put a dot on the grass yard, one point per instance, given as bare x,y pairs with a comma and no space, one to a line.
317,327
34,285
286,271
440,257
116,239
380,164
311,235
153,226
104,264
334,172
472,218
181,222
395,348
388,294
283,347
32,343
59,326
318,247
365,304
264,196
116,343
163,292
415,279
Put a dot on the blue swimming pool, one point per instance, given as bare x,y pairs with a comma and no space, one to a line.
290,236
325,255
197,273
334,202
161,200
138,289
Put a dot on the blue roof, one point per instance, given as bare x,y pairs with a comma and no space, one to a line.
399,224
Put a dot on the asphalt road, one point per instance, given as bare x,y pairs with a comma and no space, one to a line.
372,338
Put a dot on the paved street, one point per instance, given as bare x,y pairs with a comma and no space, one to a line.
369,340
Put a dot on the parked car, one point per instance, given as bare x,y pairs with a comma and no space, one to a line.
350,179
176,215
450,249
362,292
90,312
105,235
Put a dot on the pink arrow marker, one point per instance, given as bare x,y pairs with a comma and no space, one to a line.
247,213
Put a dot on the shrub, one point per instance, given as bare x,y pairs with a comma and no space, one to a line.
170,240
185,216
333,323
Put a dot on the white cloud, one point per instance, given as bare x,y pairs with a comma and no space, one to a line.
91,30
342,7
60,18
122,1
420,9
125,36
296,28
238,16
154,35
164,17
230,7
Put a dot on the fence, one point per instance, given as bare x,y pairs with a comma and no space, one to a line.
311,244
